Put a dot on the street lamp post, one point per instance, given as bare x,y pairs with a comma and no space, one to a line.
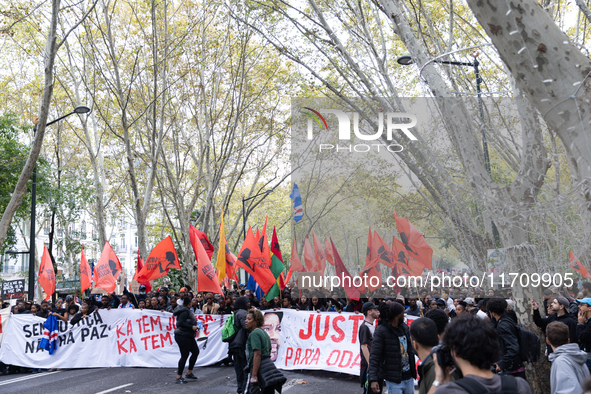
244,200
407,60
81,109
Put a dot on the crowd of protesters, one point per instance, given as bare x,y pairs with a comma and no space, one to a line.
481,326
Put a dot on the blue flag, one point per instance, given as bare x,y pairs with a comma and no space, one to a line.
255,288
50,331
297,203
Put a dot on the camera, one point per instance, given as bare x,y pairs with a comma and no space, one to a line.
444,358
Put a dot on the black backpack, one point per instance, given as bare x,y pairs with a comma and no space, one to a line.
508,385
529,345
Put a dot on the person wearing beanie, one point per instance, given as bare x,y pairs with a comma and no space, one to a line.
560,307
237,348
392,357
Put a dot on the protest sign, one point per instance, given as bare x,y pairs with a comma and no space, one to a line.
4,315
144,338
13,289
108,338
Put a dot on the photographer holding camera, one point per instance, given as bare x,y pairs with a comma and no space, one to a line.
423,333
473,345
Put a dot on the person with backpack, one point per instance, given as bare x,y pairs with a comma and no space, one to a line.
237,342
508,334
567,360
473,344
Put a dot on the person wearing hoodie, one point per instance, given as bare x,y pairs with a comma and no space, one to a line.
568,371
237,347
184,336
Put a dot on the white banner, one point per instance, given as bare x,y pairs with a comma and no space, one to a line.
143,338
4,315
119,337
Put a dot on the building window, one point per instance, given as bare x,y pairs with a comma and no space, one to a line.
135,237
122,244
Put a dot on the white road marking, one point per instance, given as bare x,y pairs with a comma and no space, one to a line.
114,388
23,378
290,384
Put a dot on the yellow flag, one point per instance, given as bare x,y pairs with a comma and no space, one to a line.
221,259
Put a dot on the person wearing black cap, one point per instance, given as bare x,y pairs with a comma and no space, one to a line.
559,306
370,311
392,356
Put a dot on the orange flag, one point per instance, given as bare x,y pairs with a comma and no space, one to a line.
296,263
577,266
406,264
308,257
162,258
207,280
319,254
345,276
84,273
107,270
287,278
256,262
372,268
414,242
328,252
47,274
383,251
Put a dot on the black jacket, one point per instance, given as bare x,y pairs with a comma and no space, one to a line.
567,319
509,344
385,359
239,340
185,320
584,335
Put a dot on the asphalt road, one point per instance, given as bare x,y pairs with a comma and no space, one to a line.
212,380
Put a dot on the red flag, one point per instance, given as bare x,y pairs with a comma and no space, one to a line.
138,268
107,270
275,246
296,263
287,278
308,257
342,273
231,267
319,254
577,266
328,252
414,242
256,262
207,280
84,273
407,265
46,274
162,258
383,251
193,232
371,267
